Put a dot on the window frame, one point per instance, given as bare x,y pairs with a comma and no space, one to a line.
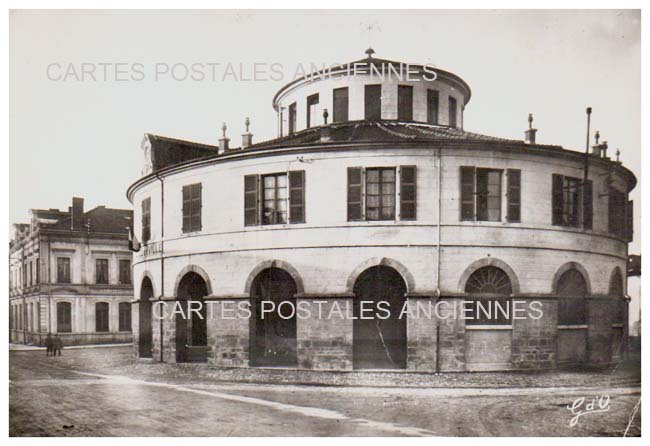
405,103
310,103
126,270
105,262
453,112
433,112
61,325
337,108
66,261
99,328
145,206
122,322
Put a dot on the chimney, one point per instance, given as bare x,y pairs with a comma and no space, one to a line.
223,142
246,138
77,214
531,132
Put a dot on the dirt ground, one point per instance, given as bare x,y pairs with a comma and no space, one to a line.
104,392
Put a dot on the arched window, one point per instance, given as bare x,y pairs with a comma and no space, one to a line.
125,316
490,288
572,291
64,317
101,317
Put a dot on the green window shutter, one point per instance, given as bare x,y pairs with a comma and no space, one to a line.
588,205
467,193
558,199
514,195
408,192
251,200
297,196
355,196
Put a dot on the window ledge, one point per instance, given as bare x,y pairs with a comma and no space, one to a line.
572,327
617,325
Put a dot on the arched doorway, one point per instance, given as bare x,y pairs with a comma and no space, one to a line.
488,334
191,326
572,291
273,337
145,336
379,342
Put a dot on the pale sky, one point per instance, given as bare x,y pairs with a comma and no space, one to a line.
70,137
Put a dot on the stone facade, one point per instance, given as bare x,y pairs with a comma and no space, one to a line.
436,253
36,291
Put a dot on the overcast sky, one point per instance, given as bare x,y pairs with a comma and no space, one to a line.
72,136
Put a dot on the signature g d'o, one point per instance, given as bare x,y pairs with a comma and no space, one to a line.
579,408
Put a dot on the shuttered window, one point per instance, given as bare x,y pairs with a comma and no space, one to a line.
192,207
405,103
297,196
617,213
408,195
588,206
274,198
372,102
467,193
146,219
355,199
251,194
432,106
629,229
514,195
340,102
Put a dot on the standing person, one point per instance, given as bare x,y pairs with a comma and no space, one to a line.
58,345
49,343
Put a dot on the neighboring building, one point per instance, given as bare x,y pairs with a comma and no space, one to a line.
375,193
70,273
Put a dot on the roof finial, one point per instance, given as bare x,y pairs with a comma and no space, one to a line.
370,52
597,136
618,155
530,120
247,123
223,129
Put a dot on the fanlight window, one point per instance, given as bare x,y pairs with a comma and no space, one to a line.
489,309
489,280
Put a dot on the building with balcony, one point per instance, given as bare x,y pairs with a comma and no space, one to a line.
374,192
70,274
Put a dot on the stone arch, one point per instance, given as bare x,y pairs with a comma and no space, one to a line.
489,261
147,275
616,280
293,272
566,267
381,261
193,269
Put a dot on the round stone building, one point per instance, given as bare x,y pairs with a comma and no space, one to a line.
302,251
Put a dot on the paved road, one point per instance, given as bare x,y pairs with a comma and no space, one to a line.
60,397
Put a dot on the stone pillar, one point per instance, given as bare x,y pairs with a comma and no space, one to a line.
422,334
325,342
534,341
228,332
135,327
451,335
600,313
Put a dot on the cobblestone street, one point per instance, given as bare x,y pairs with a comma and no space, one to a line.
104,392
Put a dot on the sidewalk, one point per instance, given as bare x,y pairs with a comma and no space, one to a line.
22,347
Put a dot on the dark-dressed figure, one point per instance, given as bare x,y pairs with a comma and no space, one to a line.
57,345
49,344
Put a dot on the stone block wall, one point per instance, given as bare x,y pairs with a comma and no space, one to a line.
325,343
